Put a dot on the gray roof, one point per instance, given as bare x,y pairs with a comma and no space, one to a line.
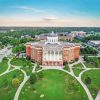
52,46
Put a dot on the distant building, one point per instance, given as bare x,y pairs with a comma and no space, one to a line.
94,43
12,30
61,36
26,36
41,37
5,52
20,55
65,36
3,31
52,52
78,33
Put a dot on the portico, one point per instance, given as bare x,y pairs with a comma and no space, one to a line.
52,58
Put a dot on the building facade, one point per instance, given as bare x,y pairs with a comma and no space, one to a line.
52,52
5,52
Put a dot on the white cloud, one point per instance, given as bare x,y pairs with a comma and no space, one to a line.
50,18
31,9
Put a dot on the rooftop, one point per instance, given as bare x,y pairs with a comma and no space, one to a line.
95,42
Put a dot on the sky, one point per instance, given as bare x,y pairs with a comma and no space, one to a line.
64,13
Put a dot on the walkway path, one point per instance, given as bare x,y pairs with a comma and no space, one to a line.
8,69
20,87
72,74
23,83
79,80
26,77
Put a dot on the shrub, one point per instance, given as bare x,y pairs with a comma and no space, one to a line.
15,82
33,78
88,80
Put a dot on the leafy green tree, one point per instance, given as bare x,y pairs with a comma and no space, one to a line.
40,75
18,48
33,78
88,80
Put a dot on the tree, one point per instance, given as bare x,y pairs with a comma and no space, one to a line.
88,80
40,75
76,59
85,58
97,63
33,78
65,63
18,48
15,82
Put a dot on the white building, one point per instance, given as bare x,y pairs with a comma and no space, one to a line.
94,43
5,52
78,33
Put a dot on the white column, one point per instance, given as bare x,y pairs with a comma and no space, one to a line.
50,56
58,55
54,56
61,54
46,55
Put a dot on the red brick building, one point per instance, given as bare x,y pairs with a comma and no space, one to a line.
52,52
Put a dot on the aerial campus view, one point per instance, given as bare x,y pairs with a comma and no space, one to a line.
49,49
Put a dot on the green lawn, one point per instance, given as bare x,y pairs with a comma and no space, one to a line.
92,62
77,71
66,67
3,66
78,65
25,64
94,87
55,85
7,91
89,65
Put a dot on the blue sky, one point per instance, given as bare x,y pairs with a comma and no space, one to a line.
69,12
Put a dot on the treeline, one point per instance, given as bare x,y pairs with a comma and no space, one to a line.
93,60
92,37
89,50
18,48
49,29
13,41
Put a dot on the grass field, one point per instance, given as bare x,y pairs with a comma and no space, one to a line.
66,67
7,90
55,85
89,65
77,69
93,62
26,65
3,65
94,87
78,66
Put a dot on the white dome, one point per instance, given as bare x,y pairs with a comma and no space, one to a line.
52,39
